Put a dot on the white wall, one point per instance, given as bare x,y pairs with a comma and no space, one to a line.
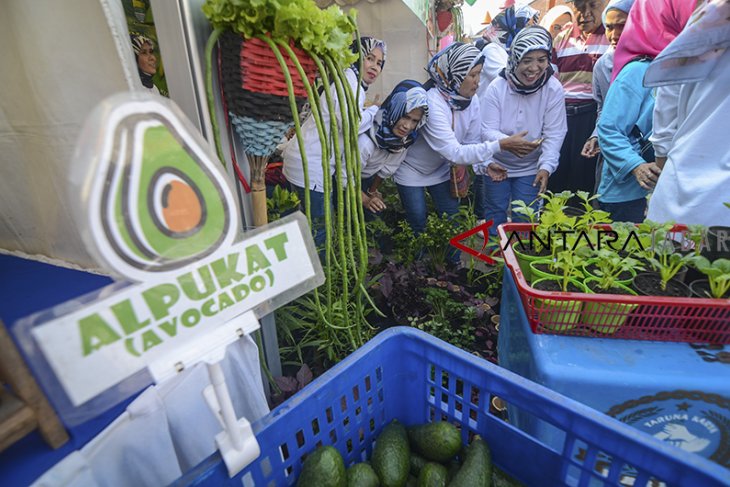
59,59
405,35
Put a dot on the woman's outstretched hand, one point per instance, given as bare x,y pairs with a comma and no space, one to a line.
518,145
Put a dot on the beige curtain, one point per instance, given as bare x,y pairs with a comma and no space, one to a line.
59,59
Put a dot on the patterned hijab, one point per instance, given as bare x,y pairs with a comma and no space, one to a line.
448,69
509,22
533,38
366,46
405,97
651,26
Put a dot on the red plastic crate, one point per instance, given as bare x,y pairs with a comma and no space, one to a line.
698,320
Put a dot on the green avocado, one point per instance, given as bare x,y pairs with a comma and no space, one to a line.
432,475
391,455
362,475
323,468
438,442
477,468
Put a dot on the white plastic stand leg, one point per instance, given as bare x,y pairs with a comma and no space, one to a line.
237,443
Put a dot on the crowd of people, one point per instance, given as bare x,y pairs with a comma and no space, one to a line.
620,98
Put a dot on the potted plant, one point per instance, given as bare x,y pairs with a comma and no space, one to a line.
666,264
606,279
610,267
717,284
563,314
536,249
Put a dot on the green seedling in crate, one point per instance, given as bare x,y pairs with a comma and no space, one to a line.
717,272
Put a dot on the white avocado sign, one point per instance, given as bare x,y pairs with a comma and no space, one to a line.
157,209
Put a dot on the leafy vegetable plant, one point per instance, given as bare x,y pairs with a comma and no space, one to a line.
666,261
717,272
610,265
325,32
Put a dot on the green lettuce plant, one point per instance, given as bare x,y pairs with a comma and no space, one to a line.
327,33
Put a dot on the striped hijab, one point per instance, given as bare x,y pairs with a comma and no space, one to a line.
533,38
405,97
365,47
448,69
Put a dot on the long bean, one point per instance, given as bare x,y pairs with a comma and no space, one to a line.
212,40
317,116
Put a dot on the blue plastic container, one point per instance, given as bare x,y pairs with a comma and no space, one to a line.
411,376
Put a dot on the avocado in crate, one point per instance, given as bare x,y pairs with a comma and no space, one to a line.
406,375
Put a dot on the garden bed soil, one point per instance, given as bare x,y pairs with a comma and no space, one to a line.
648,284
593,286
549,285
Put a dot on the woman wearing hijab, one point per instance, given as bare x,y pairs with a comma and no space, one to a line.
556,18
144,52
452,135
691,121
629,171
371,63
394,129
503,29
525,98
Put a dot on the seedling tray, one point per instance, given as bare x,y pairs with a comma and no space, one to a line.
696,320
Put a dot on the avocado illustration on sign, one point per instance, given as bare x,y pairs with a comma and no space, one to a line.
158,199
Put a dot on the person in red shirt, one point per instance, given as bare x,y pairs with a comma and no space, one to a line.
575,51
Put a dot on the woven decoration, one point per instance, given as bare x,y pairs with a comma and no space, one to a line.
253,83
259,137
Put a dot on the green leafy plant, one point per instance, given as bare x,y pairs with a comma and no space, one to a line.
555,219
666,261
406,249
327,33
569,264
434,240
591,216
281,202
533,217
697,234
717,272
610,265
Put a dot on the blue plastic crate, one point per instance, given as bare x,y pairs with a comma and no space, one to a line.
411,376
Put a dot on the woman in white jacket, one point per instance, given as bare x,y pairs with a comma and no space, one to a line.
525,97
452,135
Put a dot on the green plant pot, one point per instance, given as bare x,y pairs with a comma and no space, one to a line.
559,315
607,318
590,275
540,274
524,261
